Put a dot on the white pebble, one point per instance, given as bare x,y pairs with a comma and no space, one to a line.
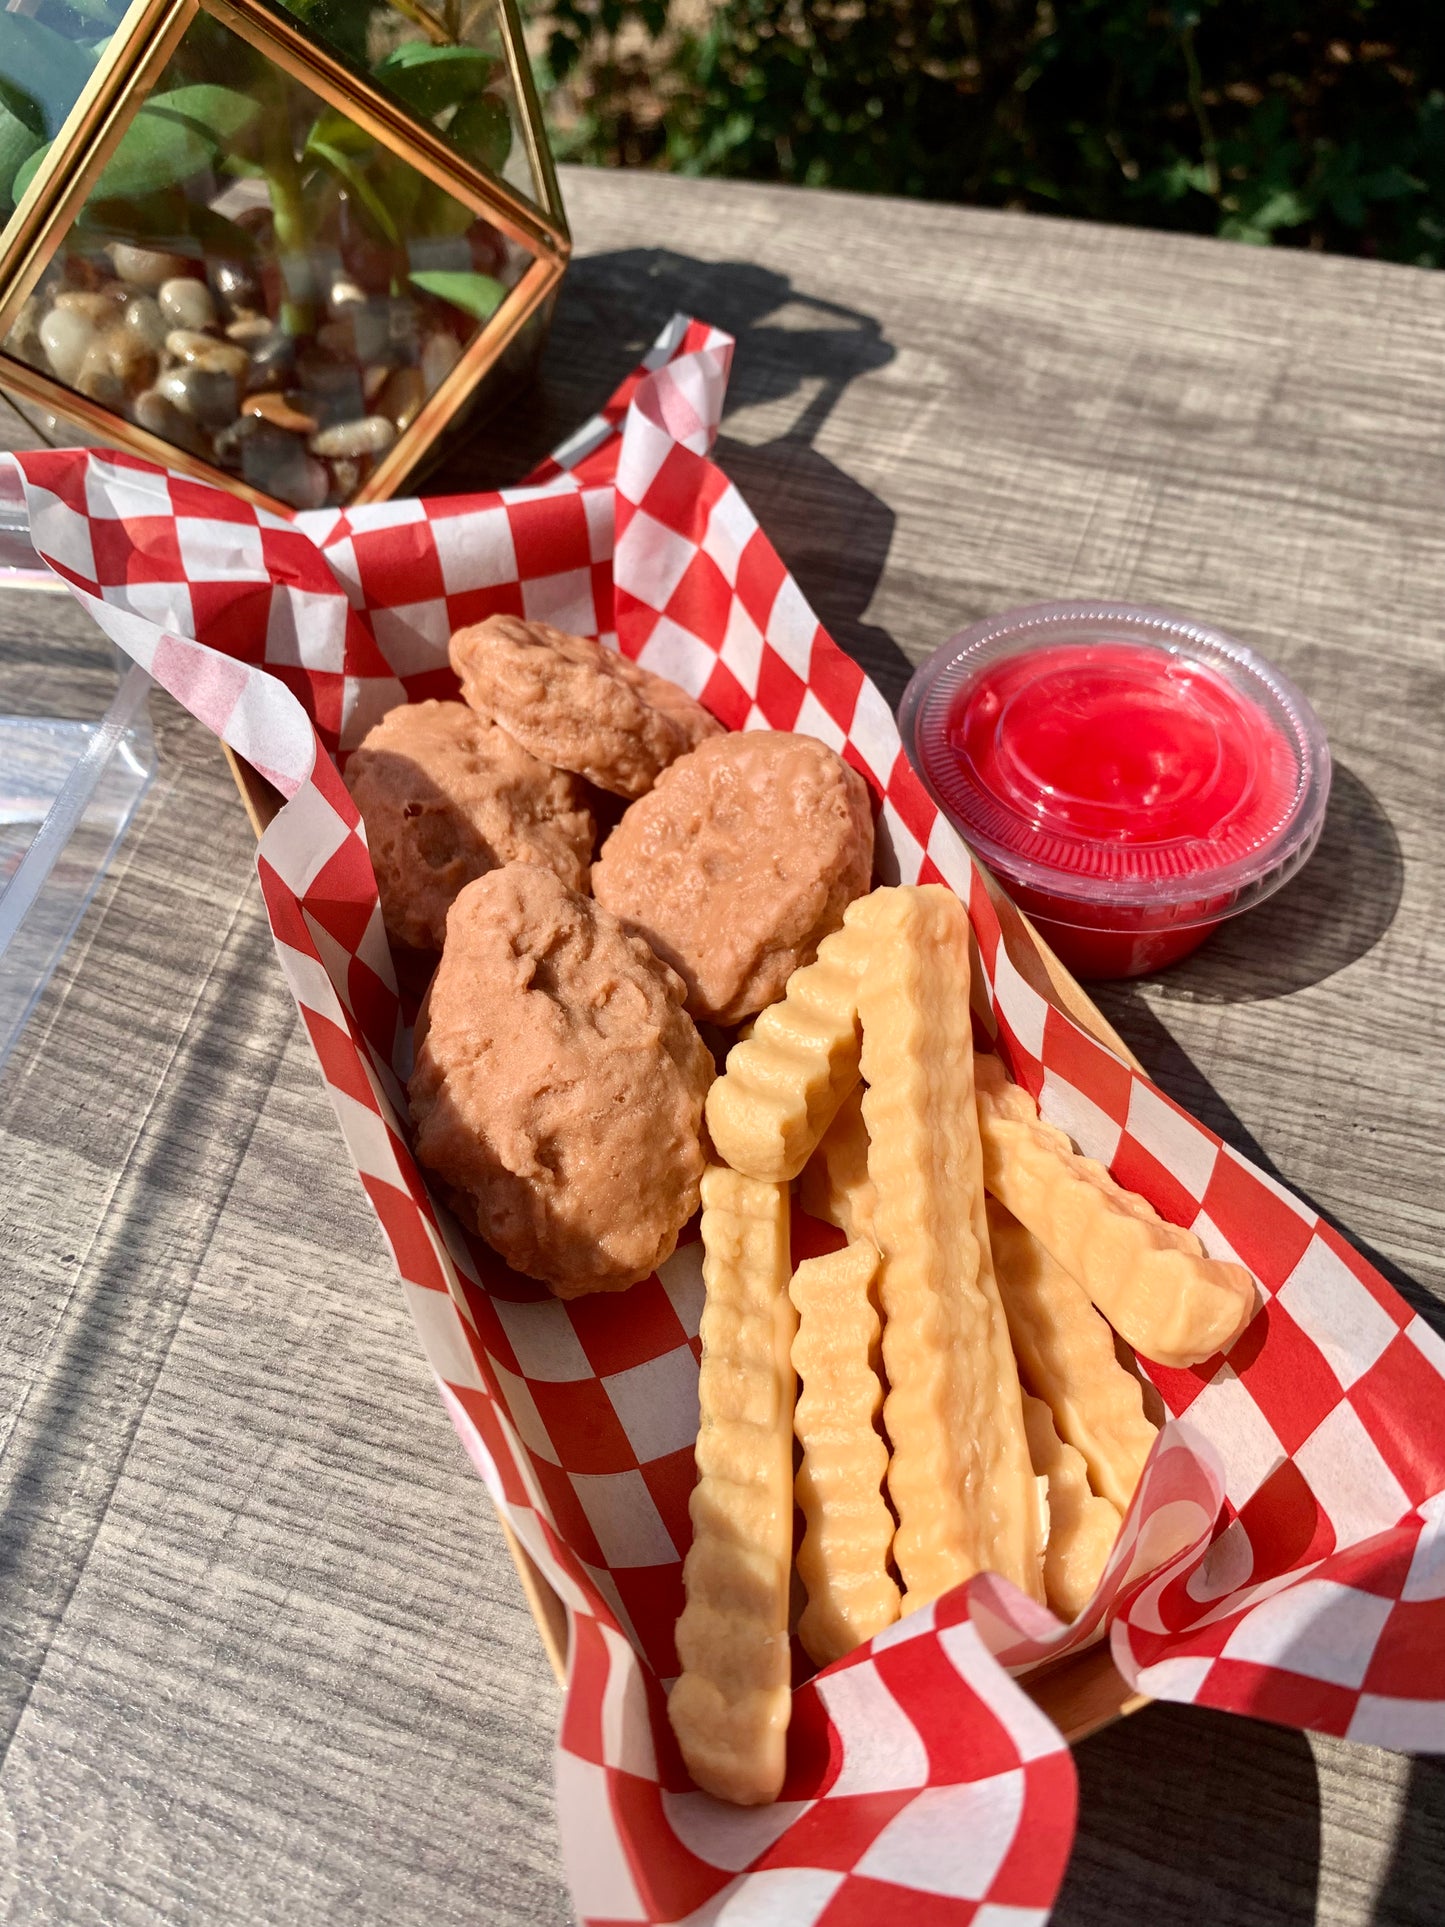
66,338
187,303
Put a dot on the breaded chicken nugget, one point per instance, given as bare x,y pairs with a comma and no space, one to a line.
739,863
559,1084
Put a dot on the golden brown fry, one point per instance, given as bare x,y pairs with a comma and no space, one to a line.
1066,1354
843,1559
730,1706
835,1186
1151,1279
960,1477
1082,1528
785,1081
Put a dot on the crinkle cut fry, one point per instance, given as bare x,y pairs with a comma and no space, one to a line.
1149,1278
835,1186
843,1558
960,1477
731,1703
785,1080
1082,1527
1066,1356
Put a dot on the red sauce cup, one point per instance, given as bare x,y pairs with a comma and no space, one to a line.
1132,777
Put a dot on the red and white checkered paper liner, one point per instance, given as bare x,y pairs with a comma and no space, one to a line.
1284,1556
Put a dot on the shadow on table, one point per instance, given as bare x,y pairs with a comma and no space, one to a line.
1179,1077
1214,1817
1410,1894
833,534
1337,908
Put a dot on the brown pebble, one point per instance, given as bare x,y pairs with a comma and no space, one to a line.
132,362
372,435
146,267
249,330
222,357
92,307
280,412
402,397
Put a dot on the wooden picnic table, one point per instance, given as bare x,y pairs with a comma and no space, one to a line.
263,1657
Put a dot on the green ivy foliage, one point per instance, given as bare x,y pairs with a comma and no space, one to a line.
1313,123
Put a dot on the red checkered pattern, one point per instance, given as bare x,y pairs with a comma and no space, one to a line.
1285,1554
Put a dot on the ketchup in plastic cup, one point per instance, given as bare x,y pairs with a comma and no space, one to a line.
1131,777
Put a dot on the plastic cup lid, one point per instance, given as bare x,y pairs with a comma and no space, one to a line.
1115,755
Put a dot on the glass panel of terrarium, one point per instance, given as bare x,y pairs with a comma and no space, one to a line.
445,60
281,309
48,51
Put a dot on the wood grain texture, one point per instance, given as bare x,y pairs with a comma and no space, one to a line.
264,1656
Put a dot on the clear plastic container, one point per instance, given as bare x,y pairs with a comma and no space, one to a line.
70,780
1131,776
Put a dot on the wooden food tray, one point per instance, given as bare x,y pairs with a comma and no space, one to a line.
1081,1692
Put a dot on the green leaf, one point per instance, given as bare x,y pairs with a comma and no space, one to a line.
435,214
1389,184
17,143
155,151
354,180
343,134
27,171
475,294
482,130
219,114
430,79
44,67
1282,209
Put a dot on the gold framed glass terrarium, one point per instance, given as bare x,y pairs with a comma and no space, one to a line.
286,246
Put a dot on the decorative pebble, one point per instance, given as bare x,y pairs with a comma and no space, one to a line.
157,413
333,391
66,338
440,355
96,308
97,380
146,267
187,303
345,480
271,361
402,397
345,294
144,320
373,381
24,336
227,445
281,413
207,394
186,345
86,271
372,435
131,361
250,331
237,285
278,464
338,338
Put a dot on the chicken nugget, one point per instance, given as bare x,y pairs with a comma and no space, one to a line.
445,797
559,1084
577,705
738,864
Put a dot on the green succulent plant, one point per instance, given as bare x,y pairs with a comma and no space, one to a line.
259,124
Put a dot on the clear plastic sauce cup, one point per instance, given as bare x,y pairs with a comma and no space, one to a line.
1132,777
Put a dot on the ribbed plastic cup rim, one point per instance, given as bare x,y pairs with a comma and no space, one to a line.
1209,893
